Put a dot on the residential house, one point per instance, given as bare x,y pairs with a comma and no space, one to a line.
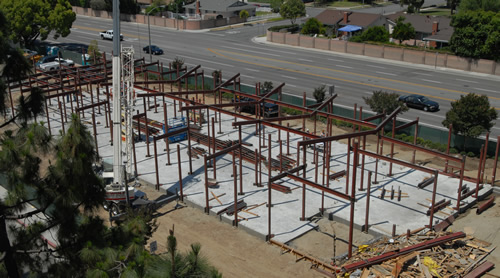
433,29
353,21
219,8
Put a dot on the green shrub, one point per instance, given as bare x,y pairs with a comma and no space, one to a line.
227,96
98,5
289,28
453,151
471,154
409,139
442,148
420,141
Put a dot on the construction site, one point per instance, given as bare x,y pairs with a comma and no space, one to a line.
269,173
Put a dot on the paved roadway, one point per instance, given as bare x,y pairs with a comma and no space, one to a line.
235,51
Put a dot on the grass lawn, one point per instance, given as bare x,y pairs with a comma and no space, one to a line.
343,4
262,13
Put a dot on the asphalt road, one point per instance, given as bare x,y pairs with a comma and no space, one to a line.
235,51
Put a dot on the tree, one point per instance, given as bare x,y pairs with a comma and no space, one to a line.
413,5
275,5
319,93
403,31
244,14
479,5
292,9
375,34
312,26
471,115
37,19
98,5
476,35
65,192
381,102
267,87
93,50
177,63
452,4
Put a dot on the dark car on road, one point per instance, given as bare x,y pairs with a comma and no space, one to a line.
420,102
155,50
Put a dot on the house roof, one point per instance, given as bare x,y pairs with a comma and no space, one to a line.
423,24
333,17
221,5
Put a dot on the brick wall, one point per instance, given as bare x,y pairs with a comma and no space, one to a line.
355,48
322,43
374,51
292,39
306,41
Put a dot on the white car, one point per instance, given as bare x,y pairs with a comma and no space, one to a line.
65,62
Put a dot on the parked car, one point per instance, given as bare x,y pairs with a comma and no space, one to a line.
31,55
155,50
65,62
46,59
420,102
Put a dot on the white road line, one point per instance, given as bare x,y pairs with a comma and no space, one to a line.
496,127
464,80
373,66
203,60
486,90
214,34
432,81
252,70
386,73
290,85
426,74
347,67
251,51
368,93
306,60
265,49
336,60
290,77
247,76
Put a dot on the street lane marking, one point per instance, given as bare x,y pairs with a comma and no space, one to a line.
486,90
285,76
426,74
290,85
247,76
336,60
464,80
433,81
342,79
265,49
251,51
207,61
305,60
373,66
345,72
347,67
252,69
386,73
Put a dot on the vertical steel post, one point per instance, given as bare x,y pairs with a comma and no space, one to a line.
479,172
207,208
235,180
459,197
180,171
448,148
353,199
240,158
434,189
269,193
157,186
368,194
415,141
493,175
392,144
485,155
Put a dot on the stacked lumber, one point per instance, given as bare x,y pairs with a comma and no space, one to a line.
424,254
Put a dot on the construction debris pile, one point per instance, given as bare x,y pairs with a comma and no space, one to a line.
424,254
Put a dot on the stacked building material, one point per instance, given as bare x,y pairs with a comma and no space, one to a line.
439,254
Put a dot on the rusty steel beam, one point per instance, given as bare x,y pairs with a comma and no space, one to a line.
320,187
61,94
421,149
480,270
91,105
325,103
187,73
222,105
374,117
301,108
274,91
485,205
224,151
284,174
400,252
168,134
401,162
406,125
227,82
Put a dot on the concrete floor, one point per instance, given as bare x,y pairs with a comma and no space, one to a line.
409,213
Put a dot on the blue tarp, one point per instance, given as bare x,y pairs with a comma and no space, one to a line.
350,28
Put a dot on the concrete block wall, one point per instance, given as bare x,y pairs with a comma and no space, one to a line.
413,56
306,41
355,48
454,62
392,53
338,46
376,51
292,39
483,66
322,43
